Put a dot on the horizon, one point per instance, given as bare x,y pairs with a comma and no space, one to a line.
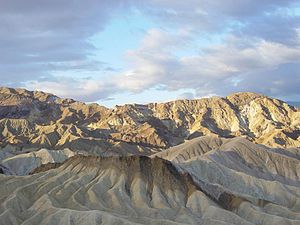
124,52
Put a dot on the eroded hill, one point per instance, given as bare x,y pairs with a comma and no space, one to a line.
207,180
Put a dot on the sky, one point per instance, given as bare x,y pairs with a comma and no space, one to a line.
139,51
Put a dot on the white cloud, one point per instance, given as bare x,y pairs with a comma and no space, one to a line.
82,89
186,95
258,65
219,69
261,51
39,37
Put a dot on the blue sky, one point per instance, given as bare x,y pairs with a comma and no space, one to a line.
125,51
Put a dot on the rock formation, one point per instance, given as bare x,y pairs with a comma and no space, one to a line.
41,120
209,180
232,160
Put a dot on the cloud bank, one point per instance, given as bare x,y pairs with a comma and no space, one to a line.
212,47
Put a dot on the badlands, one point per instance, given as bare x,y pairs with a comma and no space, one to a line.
220,160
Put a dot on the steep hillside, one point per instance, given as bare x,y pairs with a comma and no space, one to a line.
261,119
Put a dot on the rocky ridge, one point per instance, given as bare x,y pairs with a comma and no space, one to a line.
42,120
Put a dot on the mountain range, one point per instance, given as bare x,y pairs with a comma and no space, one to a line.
38,119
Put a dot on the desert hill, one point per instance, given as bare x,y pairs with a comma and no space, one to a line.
228,181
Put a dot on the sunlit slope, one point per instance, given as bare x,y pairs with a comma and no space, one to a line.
41,120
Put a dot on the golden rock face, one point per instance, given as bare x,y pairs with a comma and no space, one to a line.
44,120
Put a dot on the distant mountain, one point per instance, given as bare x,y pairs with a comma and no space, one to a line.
41,120
296,104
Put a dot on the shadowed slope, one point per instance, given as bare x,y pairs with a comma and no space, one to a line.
131,190
114,190
268,177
